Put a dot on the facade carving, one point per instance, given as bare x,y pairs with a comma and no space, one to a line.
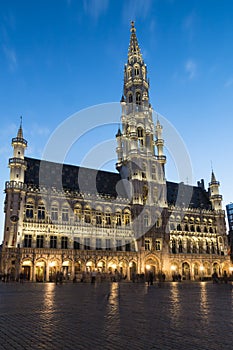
49,229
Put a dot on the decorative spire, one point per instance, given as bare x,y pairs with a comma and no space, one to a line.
20,131
213,178
134,52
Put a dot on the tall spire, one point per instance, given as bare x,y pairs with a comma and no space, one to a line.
20,131
136,84
134,52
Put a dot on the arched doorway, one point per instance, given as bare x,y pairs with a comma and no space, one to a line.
40,271
186,271
151,266
132,270
26,270
67,269
53,269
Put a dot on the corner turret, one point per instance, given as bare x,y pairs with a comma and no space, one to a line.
215,197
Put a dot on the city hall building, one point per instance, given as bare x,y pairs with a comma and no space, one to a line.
133,221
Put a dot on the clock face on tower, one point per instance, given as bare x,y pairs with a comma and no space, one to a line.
14,218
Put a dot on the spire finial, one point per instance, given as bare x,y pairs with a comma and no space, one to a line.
20,131
133,29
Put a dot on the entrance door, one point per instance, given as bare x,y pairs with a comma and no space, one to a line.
26,272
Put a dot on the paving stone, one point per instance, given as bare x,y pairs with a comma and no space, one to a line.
116,316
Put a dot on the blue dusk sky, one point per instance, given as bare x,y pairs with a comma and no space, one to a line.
58,57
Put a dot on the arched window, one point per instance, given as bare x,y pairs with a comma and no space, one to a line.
126,218
118,219
130,98
180,246
65,214
41,211
77,214
87,215
179,228
138,98
29,210
129,71
136,70
186,228
140,136
108,219
98,218
54,212
173,246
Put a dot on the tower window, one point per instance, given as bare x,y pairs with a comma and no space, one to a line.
140,137
138,98
130,98
136,71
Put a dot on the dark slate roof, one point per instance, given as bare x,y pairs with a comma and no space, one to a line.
75,178
183,195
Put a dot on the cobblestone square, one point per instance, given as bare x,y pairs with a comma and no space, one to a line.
116,316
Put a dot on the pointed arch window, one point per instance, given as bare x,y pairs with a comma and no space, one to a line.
138,98
29,210
136,70
180,246
118,219
41,211
129,72
87,216
140,137
65,214
98,218
54,213
130,98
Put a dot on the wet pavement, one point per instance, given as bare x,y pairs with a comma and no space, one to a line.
182,316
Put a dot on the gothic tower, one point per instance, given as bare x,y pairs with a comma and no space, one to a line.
137,160
215,197
15,191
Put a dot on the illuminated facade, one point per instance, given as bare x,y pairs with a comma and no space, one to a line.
134,220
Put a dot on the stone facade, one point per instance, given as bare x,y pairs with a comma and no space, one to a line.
131,223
